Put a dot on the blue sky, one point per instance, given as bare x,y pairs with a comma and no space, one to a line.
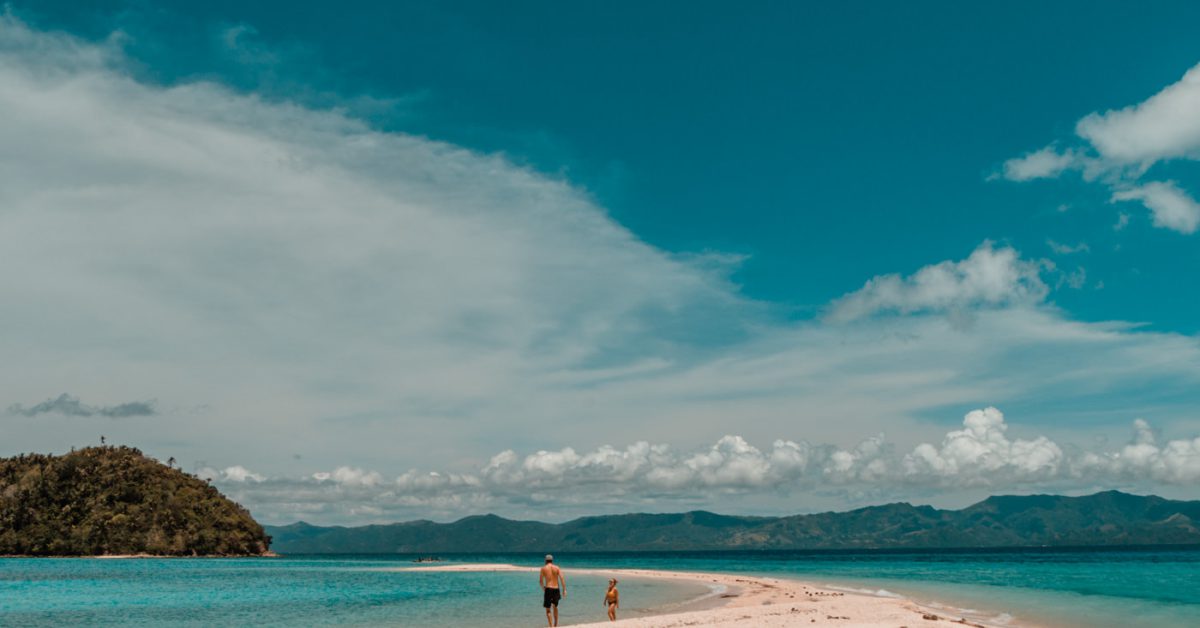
805,137
688,218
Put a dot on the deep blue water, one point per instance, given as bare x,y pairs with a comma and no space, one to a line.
1152,587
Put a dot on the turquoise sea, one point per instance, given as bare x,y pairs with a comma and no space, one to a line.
1061,587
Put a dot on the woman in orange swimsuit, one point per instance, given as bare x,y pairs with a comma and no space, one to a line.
612,599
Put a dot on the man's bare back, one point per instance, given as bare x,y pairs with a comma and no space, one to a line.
550,576
554,588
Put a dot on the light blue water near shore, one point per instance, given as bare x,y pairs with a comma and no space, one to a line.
310,591
1052,587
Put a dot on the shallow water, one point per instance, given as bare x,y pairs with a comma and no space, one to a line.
1158,587
309,591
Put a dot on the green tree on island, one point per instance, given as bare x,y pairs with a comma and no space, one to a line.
114,500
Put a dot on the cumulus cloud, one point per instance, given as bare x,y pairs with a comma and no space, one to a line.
67,405
1177,461
1121,145
1170,206
349,476
983,454
980,455
988,277
730,463
236,473
1174,462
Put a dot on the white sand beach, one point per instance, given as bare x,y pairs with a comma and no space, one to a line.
745,601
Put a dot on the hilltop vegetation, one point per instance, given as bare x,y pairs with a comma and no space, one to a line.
1110,518
114,500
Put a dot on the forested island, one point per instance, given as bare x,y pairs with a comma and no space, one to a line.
116,501
1110,518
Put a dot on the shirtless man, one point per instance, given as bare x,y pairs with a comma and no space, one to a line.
554,588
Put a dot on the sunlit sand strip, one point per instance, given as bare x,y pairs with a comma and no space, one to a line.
745,601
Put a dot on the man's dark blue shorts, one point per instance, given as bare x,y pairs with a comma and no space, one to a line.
550,597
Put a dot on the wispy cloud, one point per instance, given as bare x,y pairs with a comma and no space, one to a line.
377,301
1121,145
1068,249
1040,164
1170,206
67,405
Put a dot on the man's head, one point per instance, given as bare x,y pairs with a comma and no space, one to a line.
549,558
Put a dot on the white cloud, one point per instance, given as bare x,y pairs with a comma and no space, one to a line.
1124,144
301,274
1164,126
1068,249
731,462
1040,164
1176,462
321,292
349,476
431,482
981,455
1171,207
236,473
988,277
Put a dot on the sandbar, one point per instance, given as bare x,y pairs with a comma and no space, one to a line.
744,601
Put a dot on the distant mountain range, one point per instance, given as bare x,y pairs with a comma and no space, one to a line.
1109,518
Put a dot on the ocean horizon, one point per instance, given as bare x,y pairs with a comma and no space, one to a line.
1066,587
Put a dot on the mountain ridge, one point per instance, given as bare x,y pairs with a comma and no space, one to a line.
1102,519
